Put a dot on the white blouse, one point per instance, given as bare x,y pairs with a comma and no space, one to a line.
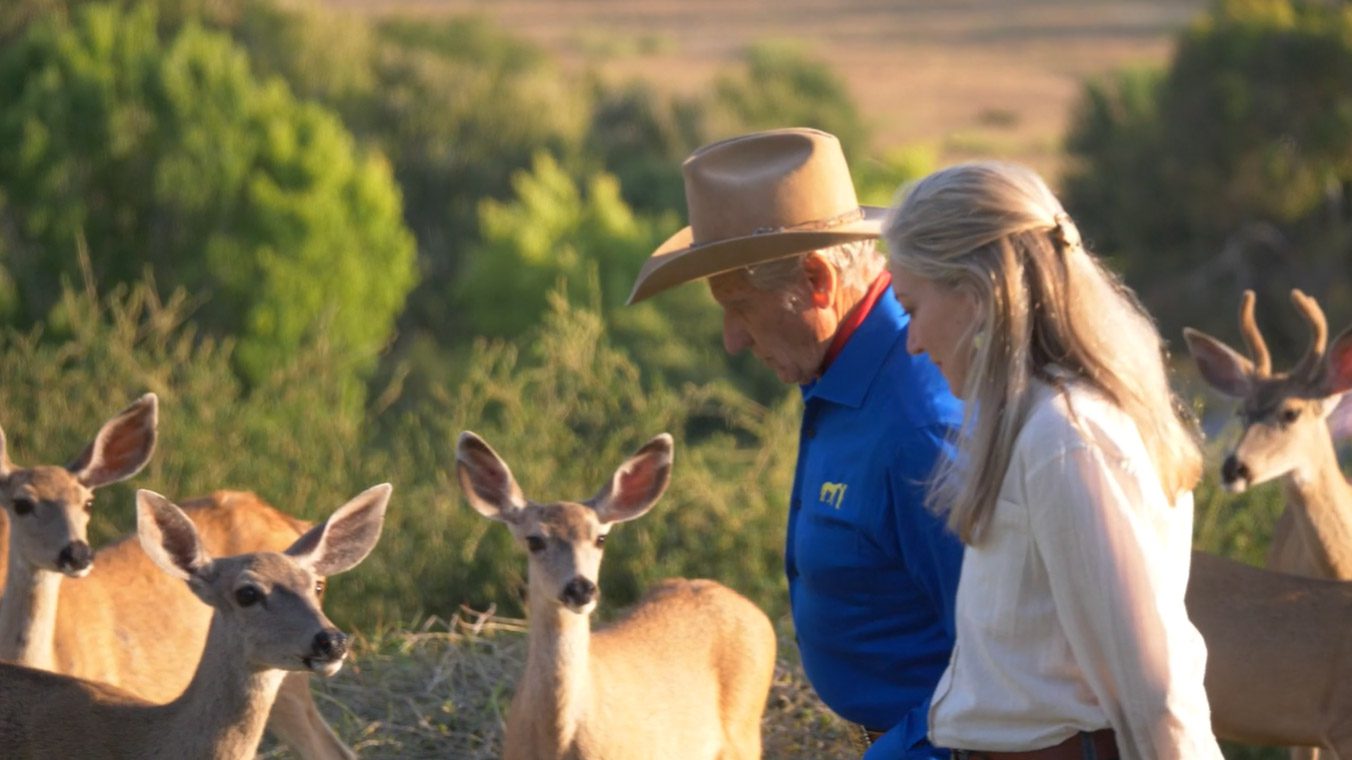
1070,609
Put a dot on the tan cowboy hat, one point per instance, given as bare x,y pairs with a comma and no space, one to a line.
755,198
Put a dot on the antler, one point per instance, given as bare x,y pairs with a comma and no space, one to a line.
1312,362
1248,327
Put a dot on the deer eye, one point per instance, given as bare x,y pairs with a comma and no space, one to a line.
1290,415
89,505
600,542
24,506
247,596
535,544
320,585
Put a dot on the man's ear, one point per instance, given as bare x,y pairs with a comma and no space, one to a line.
822,279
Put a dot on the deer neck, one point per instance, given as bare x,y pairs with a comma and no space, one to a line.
1323,500
28,614
224,709
558,681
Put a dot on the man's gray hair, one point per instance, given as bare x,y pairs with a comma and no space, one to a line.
857,263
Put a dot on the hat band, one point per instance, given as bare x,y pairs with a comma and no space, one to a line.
814,225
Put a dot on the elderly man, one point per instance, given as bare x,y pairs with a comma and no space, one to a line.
777,230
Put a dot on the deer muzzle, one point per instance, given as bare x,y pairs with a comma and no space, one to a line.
76,559
1235,474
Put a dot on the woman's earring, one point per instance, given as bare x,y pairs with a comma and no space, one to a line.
978,340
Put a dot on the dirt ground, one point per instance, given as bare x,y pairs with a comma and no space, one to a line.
968,77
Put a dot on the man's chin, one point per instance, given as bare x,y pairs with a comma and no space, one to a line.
787,376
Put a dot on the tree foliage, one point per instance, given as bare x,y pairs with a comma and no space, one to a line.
580,236
1231,169
780,85
169,155
641,137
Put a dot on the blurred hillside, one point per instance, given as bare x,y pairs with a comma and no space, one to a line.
967,79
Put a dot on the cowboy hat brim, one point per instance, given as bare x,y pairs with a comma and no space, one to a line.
678,261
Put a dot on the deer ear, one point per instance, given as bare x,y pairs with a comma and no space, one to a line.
347,537
486,480
122,447
169,538
1221,366
1338,364
637,484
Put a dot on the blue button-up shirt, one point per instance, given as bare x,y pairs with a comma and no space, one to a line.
872,572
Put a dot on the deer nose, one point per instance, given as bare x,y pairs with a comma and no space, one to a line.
1233,470
579,592
75,557
330,644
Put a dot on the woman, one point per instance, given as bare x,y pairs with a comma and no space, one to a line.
1071,489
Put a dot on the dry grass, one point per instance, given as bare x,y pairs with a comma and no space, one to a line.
442,692
921,71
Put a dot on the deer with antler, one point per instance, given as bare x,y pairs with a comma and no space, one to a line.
1286,436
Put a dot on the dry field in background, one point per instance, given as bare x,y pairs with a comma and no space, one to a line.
970,77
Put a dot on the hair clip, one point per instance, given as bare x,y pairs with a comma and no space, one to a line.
1064,231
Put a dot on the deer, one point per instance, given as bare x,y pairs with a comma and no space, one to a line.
685,674
1285,435
266,621
1279,658
50,508
125,622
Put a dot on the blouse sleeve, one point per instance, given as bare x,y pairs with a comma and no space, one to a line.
1119,597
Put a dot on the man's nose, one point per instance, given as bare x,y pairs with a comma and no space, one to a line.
735,338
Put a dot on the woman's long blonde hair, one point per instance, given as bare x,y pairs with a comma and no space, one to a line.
997,229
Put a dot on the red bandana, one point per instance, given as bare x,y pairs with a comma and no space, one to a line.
856,317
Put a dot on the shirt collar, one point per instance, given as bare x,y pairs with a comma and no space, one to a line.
850,375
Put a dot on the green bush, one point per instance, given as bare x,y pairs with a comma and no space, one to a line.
565,412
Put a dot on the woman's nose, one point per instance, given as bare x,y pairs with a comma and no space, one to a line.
912,345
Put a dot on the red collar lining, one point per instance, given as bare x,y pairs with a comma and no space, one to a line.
856,317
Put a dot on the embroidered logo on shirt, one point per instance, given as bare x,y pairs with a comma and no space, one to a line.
833,494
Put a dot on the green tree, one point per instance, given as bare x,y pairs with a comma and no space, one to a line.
1231,170
583,235
460,107
779,85
1115,185
641,137
552,229
169,154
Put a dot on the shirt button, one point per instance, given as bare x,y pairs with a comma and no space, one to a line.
812,432
796,502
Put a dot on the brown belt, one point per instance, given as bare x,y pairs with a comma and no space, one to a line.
860,737
1099,745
